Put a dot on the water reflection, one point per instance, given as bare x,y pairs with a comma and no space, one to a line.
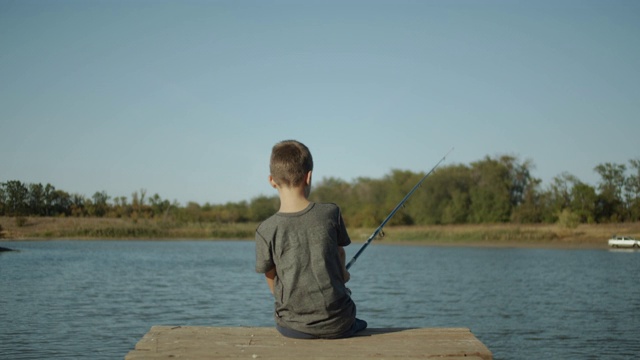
69,299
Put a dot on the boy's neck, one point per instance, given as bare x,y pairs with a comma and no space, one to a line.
293,199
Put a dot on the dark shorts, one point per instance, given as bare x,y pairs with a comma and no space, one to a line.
358,325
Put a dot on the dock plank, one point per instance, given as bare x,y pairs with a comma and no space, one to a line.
199,342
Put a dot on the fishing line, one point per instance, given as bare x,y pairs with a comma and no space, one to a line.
378,231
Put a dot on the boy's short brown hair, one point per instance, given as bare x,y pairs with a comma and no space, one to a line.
290,162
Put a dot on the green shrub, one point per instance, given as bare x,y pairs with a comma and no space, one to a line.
568,219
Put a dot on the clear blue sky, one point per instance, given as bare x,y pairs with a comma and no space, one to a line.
186,98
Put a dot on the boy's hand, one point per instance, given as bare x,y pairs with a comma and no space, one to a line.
346,275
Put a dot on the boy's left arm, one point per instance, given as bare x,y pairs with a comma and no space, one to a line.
270,276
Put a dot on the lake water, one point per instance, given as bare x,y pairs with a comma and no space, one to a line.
96,299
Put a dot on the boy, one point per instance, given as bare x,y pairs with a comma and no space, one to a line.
300,251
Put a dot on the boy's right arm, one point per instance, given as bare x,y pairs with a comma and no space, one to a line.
271,275
343,260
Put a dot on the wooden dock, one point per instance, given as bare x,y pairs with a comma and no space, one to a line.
198,342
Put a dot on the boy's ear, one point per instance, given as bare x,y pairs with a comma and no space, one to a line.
272,182
308,179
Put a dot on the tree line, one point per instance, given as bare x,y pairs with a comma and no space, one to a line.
492,190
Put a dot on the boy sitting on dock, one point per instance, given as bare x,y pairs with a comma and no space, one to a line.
300,251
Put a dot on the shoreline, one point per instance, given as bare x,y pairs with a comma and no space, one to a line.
434,243
357,244
584,236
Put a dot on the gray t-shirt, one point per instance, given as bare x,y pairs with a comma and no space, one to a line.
310,294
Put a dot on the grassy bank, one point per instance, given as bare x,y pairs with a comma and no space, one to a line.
533,235
481,235
100,228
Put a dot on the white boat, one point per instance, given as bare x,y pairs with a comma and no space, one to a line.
623,242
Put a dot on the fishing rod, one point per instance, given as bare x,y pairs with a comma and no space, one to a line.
378,231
